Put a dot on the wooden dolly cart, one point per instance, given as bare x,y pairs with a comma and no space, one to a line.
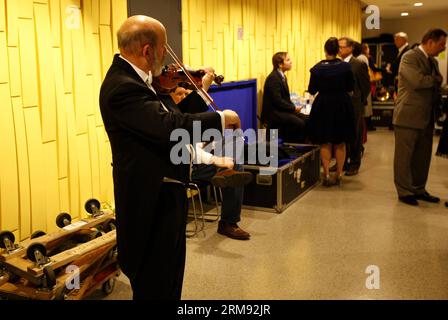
68,264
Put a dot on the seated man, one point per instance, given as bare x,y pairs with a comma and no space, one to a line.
231,178
279,112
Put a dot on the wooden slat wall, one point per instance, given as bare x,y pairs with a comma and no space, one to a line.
54,151
300,27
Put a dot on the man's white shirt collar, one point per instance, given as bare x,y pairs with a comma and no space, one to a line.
147,78
347,59
400,50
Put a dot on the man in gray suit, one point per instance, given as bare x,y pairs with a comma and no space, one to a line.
359,99
419,81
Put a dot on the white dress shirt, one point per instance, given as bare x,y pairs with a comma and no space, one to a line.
347,59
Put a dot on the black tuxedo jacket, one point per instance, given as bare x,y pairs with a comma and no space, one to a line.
276,98
139,132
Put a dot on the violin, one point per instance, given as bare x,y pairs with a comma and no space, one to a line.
173,75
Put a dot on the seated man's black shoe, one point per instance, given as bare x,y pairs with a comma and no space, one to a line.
232,230
410,200
446,204
427,197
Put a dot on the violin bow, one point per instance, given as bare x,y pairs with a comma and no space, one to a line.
190,77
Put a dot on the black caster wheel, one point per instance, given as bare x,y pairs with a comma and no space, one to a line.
5,238
63,219
108,286
36,252
50,277
109,225
13,278
37,234
92,206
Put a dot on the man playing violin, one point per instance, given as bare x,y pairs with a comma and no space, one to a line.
150,225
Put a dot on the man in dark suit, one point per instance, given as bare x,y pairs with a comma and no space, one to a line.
279,112
150,225
359,99
401,42
419,81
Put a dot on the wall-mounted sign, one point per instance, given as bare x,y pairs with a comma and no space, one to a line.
73,17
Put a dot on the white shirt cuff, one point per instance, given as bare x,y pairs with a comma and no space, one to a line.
202,156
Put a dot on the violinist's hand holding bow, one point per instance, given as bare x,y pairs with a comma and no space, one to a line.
208,78
231,119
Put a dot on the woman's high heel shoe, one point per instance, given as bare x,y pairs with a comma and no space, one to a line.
338,180
327,182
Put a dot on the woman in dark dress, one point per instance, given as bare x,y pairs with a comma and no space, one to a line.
332,114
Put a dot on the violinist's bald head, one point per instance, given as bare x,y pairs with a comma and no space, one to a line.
138,31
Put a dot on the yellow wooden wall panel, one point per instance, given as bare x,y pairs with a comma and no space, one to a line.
46,77
97,79
12,12
55,19
25,9
51,184
23,168
64,195
208,20
85,174
4,70
91,100
62,138
119,15
15,86
100,134
94,157
80,92
36,164
67,50
106,49
73,174
105,12
96,16
88,39
9,186
30,92
2,16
